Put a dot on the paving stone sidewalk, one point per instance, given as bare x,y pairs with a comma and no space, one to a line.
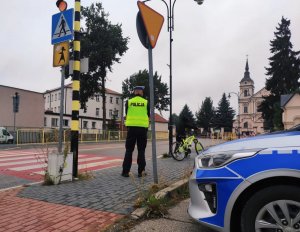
88,205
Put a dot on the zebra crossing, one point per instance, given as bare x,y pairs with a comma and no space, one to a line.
32,164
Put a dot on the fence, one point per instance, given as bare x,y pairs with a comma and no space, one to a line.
41,136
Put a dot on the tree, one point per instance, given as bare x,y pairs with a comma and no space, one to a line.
175,118
224,115
104,44
284,72
112,124
205,115
186,121
161,101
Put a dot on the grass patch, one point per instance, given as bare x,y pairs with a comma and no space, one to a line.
47,179
85,175
166,155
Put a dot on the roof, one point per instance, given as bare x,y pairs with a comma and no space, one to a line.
4,86
284,99
109,91
246,74
159,118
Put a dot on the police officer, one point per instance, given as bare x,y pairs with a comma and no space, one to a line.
137,122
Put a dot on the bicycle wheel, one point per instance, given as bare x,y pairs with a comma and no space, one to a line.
198,146
178,151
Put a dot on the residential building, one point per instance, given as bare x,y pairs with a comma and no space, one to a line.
291,110
249,120
90,119
31,108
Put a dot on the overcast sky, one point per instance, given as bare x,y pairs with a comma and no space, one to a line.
210,45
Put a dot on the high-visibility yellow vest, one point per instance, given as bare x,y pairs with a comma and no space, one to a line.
137,114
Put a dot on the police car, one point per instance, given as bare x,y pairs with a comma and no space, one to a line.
249,185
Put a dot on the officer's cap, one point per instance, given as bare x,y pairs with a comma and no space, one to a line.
139,88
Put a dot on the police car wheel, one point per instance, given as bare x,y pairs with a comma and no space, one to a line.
273,209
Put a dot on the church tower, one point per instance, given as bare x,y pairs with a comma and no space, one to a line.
246,91
246,84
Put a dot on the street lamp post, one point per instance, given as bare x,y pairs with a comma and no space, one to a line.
170,15
238,116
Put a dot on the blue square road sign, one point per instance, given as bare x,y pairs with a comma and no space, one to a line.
62,26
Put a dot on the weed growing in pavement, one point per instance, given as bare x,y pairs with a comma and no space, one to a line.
166,155
155,207
47,179
86,175
42,158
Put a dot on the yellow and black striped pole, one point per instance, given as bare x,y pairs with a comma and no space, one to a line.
76,89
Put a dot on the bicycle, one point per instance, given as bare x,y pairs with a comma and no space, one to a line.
181,149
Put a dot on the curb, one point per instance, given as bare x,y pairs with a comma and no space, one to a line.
164,193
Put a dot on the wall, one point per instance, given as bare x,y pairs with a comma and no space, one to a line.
31,108
291,114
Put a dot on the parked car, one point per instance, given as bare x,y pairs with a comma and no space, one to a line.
249,185
5,136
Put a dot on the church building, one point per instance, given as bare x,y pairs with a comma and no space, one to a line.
249,121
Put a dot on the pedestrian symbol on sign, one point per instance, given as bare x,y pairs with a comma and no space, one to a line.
61,54
62,28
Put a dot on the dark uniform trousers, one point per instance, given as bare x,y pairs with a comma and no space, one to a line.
135,135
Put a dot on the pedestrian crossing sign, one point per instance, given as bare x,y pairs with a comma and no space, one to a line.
62,26
61,54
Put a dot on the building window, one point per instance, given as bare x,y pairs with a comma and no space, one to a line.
54,109
85,124
55,97
117,101
93,125
54,122
45,121
110,113
116,112
245,109
246,93
66,122
97,98
246,125
97,112
111,100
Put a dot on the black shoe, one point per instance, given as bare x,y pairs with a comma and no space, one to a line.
142,174
125,174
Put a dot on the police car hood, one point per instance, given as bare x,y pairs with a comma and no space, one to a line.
281,139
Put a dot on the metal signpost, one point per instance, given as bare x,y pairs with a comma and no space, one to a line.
16,102
149,24
62,32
